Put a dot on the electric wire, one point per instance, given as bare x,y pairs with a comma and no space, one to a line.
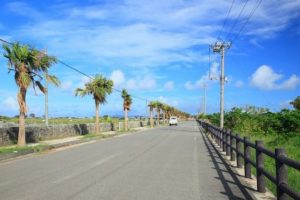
80,72
237,20
225,21
247,21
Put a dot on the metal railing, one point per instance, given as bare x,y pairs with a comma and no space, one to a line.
232,145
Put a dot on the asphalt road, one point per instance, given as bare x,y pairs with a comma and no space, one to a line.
157,164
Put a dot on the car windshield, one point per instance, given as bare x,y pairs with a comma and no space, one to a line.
173,118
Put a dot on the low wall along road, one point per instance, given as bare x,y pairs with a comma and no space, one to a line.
35,133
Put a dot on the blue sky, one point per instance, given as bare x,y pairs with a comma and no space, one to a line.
157,50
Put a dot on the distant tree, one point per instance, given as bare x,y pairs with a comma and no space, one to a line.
296,103
127,101
99,87
151,105
28,65
32,115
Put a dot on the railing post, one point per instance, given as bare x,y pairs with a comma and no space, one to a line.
238,152
247,156
227,143
224,140
221,139
232,154
281,174
261,185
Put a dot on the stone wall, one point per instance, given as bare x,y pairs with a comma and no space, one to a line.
9,135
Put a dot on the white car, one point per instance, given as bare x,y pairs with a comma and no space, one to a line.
173,121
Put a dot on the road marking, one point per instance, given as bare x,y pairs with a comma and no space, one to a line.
89,167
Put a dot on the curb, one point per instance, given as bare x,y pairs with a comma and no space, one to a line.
12,155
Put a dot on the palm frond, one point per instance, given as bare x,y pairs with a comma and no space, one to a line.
53,79
80,92
41,87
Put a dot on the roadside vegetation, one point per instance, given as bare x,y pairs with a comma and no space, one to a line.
275,129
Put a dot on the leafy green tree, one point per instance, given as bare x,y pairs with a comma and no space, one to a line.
28,65
127,101
296,103
99,88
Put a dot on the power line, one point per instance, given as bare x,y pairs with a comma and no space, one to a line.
225,21
247,20
80,72
237,19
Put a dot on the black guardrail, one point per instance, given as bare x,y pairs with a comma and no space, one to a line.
232,145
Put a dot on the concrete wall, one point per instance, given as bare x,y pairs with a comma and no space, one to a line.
9,135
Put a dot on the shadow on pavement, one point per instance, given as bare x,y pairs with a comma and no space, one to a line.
232,185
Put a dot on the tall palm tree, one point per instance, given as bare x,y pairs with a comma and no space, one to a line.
99,87
127,101
158,109
151,107
29,65
165,108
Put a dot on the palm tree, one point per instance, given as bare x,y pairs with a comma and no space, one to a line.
158,109
165,108
151,106
127,101
28,64
99,87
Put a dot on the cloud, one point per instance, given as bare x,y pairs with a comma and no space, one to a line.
169,85
139,82
24,9
239,84
169,101
11,103
83,81
266,79
66,85
209,78
285,104
145,83
118,78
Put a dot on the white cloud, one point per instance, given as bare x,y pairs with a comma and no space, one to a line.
285,104
266,79
169,101
11,103
209,78
66,85
145,83
83,81
169,85
239,84
118,78
142,34
139,82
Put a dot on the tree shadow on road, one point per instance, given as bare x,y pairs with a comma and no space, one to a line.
232,185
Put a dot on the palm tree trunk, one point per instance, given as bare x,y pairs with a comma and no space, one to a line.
151,118
22,105
158,113
97,126
164,117
126,119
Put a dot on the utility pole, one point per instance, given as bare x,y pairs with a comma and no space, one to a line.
220,47
204,100
46,100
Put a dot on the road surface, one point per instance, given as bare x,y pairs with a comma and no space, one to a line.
165,163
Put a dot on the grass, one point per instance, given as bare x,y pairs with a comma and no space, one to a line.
291,144
14,149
